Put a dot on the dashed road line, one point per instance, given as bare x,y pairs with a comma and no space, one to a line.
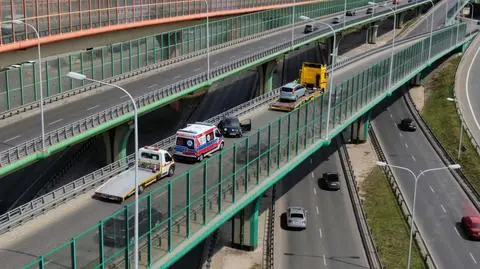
443,208
314,191
320,232
431,189
414,158
473,258
123,96
456,230
406,145
151,86
324,260
176,77
53,122
313,175
11,138
401,135
391,116
93,107
318,211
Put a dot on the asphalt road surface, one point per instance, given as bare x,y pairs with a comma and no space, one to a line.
440,200
17,131
332,239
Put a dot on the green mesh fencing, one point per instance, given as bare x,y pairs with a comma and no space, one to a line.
20,86
179,209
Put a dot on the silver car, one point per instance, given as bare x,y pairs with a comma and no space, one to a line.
296,218
292,91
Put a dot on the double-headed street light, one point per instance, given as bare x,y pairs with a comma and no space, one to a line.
416,177
39,64
330,84
78,76
293,25
208,44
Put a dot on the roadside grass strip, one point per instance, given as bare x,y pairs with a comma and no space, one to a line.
441,115
387,225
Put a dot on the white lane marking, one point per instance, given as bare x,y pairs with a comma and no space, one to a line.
414,159
311,160
468,96
456,230
431,189
176,77
324,260
391,116
123,96
473,258
233,57
314,191
320,232
401,135
151,86
197,69
318,212
53,122
443,208
406,145
313,175
93,107
11,138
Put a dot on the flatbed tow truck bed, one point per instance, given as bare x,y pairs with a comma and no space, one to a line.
290,106
121,186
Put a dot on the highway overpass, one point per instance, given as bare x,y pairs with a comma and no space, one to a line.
301,132
151,92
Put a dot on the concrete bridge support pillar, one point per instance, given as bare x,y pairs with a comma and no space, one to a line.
372,33
359,129
330,47
265,72
400,20
116,141
245,227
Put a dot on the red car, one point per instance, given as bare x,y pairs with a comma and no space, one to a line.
471,225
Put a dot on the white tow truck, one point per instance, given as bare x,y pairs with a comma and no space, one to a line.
154,164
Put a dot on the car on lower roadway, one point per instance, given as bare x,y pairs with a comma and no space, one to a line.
296,218
292,91
331,181
336,20
471,226
407,124
351,13
370,10
309,28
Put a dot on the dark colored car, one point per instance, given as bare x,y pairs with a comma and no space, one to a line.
351,13
114,230
309,28
331,181
232,127
407,125
370,10
471,226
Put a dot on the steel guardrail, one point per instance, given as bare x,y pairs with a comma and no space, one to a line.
371,251
70,130
446,158
40,205
392,181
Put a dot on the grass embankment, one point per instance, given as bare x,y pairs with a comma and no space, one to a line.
387,224
441,116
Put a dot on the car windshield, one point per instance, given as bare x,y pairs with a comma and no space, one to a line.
231,122
286,89
332,177
296,216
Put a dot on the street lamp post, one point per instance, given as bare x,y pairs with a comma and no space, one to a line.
431,31
330,86
78,76
393,43
344,12
416,177
461,131
208,44
39,64
293,23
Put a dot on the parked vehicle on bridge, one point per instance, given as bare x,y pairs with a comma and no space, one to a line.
313,80
197,141
407,125
471,226
296,218
233,127
154,164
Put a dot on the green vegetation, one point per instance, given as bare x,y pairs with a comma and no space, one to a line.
387,224
441,116
256,266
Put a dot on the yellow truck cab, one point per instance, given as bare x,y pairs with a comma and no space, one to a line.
313,75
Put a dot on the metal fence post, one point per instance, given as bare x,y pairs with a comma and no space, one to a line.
149,235
73,253
20,76
127,238
7,90
259,155
269,147
234,178
297,133
247,160
205,191
220,171
288,137
170,217
100,245
188,205
279,141
306,124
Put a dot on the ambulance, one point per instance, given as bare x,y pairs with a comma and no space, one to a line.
197,141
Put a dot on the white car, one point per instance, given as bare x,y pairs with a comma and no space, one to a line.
296,218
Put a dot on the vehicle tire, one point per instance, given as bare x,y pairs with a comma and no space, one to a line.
171,171
140,189
221,146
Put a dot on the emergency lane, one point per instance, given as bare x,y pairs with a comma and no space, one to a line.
18,130
331,239
29,240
